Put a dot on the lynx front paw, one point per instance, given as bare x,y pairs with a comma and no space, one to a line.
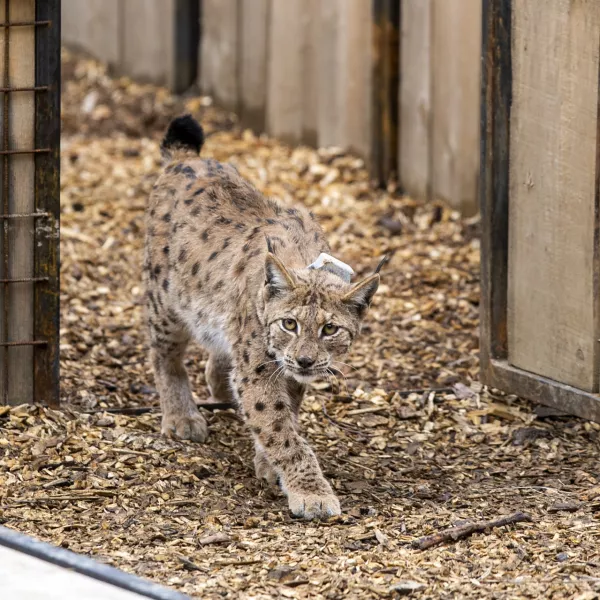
264,470
187,427
314,506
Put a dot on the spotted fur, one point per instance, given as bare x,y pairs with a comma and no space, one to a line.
227,267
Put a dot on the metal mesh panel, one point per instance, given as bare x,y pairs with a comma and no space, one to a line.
29,200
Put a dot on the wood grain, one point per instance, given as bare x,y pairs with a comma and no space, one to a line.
93,26
253,56
456,42
415,97
285,70
353,68
496,99
553,137
147,40
219,70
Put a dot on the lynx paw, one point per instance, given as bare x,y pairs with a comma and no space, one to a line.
264,470
188,427
314,506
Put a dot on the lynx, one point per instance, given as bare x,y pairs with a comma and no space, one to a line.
238,273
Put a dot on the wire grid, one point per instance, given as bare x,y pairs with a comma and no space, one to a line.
44,369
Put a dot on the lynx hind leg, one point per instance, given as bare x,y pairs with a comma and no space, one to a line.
180,417
218,371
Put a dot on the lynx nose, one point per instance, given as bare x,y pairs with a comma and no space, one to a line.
305,361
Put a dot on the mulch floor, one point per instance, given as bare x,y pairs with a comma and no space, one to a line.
412,443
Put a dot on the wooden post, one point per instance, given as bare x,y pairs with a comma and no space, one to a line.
94,26
386,82
414,152
285,71
551,329
512,35
253,59
219,67
456,43
496,99
47,200
344,64
148,40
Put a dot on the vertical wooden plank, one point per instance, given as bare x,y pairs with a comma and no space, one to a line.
21,69
553,137
456,35
254,35
596,251
183,70
385,89
285,70
328,119
219,70
496,100
351,76
93,26
415,98
148,31
4,316
47,200
310,77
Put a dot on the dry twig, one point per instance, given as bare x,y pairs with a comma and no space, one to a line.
456,533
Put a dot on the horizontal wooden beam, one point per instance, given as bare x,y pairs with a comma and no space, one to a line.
499,374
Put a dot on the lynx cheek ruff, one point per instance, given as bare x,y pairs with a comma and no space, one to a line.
333,265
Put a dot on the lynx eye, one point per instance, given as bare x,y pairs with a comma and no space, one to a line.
330,329
289,324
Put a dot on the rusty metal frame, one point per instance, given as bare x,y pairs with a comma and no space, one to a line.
45,367
496,100
47,199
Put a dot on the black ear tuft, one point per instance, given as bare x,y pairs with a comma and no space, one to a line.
358,299
278,279
184,132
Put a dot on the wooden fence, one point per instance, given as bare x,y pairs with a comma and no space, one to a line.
396,81
540,246
148,40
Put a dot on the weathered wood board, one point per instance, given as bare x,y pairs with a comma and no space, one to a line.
552,302
219,65
456,43
285,70
253,49
147,40
415,98
93,26
352,65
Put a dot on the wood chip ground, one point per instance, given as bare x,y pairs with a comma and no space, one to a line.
411,444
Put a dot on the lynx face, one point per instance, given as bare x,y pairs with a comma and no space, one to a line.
312,317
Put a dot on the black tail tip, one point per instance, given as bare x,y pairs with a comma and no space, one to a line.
184,132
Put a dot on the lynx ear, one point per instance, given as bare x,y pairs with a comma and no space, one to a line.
359,297
278,279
